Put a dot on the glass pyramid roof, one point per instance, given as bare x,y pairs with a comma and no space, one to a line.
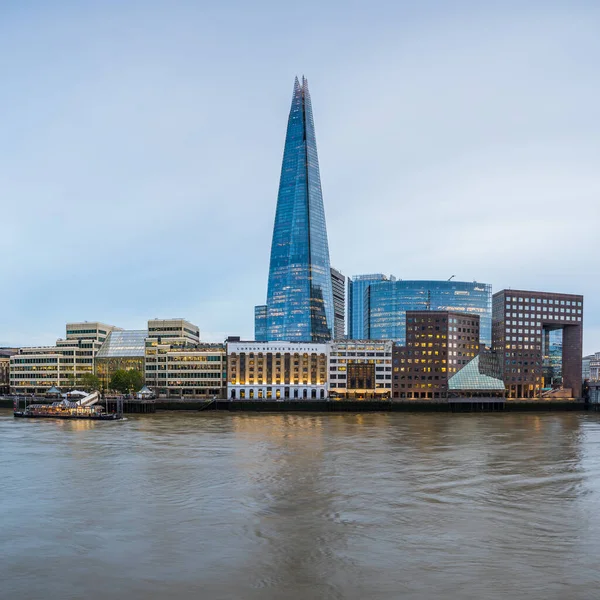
122,344
470,377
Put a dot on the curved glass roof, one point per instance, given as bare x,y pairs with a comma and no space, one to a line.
120,344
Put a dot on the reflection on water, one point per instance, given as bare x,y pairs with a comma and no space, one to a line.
301,506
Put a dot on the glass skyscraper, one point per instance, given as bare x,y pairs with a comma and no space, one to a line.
299,295
260,323
357,286
386,303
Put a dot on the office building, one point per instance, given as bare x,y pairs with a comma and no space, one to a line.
260,323
585,366
338,286
4,374
36,370
538,336
175,369
438,344
386,304
5,354
360,370
357,286
299,294
594,374
179,365
276,370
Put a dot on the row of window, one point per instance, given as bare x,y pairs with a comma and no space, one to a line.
163,375
543,301
359,354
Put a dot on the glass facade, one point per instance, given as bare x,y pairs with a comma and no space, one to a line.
357,287
299,295
386,303
260,323
122,350
338,285
477,376
552,352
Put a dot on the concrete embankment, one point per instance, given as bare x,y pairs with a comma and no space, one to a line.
371,406
463,405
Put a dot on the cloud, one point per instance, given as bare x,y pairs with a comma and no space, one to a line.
142,148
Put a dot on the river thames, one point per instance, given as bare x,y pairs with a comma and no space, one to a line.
286,506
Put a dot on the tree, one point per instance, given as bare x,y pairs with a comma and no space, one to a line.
119,381
89,382
126,381
136,380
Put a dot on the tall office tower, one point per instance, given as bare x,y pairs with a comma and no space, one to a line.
357,286
299,295
386,303
260,323
538,336
338,285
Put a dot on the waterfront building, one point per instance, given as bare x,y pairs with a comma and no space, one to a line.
276,370
180,369
338,286
585,366
360,369
36,370
299,293
438,345
538,337
179,365
357,286
5,354
594,374
4,374
123,350
386,304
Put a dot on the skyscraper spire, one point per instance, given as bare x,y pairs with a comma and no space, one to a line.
299,296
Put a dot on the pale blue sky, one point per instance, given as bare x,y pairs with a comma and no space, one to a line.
141,146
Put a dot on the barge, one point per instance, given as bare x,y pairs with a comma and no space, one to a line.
86,408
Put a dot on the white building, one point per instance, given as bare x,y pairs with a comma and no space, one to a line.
276,370
595,367
36,370
360,369
167,330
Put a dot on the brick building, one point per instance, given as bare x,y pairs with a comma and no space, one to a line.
538,337
438,344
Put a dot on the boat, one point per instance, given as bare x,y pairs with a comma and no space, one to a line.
85,408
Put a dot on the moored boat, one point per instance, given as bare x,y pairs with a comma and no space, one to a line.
86,408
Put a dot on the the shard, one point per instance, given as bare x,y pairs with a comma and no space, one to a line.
299,295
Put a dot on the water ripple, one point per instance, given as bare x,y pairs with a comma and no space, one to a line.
301,506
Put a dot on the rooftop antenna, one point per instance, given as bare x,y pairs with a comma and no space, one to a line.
452,277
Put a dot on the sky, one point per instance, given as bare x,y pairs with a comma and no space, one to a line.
142,141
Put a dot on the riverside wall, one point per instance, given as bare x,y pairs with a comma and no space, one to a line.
459,405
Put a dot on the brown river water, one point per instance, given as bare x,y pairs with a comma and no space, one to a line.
301,506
